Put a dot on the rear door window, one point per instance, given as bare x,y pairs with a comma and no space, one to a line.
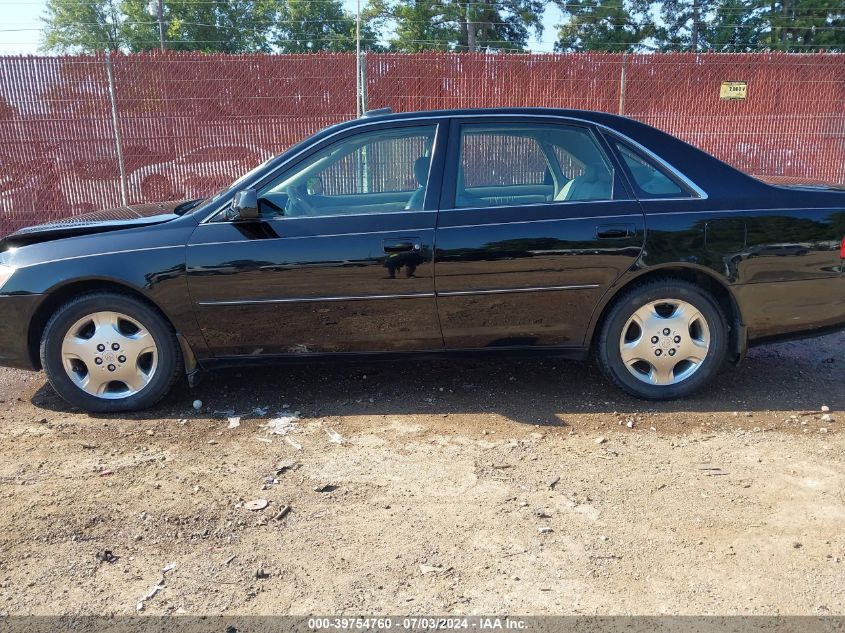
512,164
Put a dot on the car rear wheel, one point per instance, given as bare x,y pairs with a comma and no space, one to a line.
663,340
109,352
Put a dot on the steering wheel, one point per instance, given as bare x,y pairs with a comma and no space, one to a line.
297,204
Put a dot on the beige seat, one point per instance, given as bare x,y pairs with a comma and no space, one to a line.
593,184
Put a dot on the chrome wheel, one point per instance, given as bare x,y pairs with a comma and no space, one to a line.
109,355
665,342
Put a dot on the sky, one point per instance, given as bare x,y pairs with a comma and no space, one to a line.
20,26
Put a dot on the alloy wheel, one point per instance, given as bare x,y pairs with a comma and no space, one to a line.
109,355
664,342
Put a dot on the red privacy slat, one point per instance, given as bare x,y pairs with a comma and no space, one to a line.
188,123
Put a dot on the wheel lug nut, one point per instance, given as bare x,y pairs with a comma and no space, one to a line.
98,361
654,340
671,352
115,346
101,348
658,352
666,331
111,368
677,339
121,359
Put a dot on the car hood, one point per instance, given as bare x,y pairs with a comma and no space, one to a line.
94,222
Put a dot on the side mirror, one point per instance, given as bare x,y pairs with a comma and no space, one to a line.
244,205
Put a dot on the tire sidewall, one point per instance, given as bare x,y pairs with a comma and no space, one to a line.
70,313
609,352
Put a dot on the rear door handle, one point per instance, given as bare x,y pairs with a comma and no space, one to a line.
401,245
614,231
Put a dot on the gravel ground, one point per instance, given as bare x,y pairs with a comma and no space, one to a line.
460,487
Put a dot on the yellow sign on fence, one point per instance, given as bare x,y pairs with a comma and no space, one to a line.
733,90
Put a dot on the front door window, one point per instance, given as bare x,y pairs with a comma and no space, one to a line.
382,171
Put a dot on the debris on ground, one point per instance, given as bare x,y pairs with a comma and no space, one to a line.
545,530
553,482
150,594
106,556
234,422
286,465
601,440
282,513
256,504
281,425
334,436
105,472
293,443
261,573
168,567
428,569
325,487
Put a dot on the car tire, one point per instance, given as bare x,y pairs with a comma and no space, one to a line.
107,352
663,340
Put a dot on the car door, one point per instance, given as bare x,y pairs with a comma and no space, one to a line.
340,259
535,225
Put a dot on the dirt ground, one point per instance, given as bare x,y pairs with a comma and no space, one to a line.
450,487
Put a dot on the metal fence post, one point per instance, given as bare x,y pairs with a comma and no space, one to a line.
117,143
363,82
622,78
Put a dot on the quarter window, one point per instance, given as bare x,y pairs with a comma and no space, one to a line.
380,171
650,181
516,164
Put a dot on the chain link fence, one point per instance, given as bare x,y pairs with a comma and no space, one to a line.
88,132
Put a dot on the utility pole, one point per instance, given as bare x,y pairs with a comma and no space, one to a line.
161,23
471,29
696,19
358,88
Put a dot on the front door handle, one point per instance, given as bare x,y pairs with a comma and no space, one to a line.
401,245
613,231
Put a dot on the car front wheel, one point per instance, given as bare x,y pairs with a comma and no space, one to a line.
109,352
663,340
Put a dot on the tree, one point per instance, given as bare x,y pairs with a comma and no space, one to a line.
229,26
751,25
83,27
475,25
605,25
304,26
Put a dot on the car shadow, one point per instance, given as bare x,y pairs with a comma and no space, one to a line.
797,375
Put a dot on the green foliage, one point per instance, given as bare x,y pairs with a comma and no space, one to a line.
229,26
481,25
718,25
79,26
605,25
306,26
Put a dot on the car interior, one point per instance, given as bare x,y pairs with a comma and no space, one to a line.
499,165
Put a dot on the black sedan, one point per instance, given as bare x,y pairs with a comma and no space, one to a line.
531,230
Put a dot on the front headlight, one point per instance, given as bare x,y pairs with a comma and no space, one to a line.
6,271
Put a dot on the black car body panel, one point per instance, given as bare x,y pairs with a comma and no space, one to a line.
532,277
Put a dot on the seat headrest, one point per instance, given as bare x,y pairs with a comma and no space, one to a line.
421,166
